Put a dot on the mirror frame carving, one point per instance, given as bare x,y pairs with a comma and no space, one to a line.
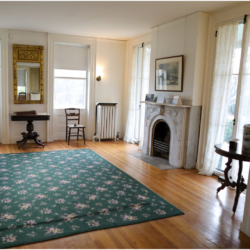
35,55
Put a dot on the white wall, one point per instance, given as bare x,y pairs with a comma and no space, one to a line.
16,128
185,36
110,56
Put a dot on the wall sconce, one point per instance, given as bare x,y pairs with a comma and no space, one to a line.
99,73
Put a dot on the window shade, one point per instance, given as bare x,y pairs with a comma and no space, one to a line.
74,57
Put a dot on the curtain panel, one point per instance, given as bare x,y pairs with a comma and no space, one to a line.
144,89
222,78
130,127
129,134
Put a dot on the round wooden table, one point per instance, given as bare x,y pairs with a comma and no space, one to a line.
224,150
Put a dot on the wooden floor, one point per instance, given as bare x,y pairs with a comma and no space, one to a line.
208,221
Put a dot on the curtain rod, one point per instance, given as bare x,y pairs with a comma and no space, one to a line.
140,45
234,20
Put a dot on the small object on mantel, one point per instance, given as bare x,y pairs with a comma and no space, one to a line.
177,101
30,112
150,98
233,144
160,99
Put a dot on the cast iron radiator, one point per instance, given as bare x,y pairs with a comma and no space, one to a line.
105,121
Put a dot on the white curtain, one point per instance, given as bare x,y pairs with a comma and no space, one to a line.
130,128
144,89
129,134
244,88
222,78
244,82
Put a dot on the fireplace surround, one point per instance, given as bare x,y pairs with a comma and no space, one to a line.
183,122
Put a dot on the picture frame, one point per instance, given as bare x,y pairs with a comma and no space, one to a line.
177,101
169,74
160,99
149,97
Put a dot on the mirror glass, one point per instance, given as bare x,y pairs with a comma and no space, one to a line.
28,81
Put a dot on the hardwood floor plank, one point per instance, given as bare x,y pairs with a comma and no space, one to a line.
139,239
104,238
118,239
155,236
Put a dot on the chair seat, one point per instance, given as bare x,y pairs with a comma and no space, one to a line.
77,126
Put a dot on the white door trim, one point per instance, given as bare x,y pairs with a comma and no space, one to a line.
4,113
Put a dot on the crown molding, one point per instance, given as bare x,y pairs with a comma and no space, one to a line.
171,23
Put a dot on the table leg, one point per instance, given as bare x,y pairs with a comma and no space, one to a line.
36,140
24,141
227,182
238,187
24,135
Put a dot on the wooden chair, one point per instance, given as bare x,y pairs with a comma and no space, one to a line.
73,114
22,96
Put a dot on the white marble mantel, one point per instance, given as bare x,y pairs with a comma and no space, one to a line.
183,122
167,104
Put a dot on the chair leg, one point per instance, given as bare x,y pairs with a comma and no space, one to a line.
77,134
69,135
66,133
83,135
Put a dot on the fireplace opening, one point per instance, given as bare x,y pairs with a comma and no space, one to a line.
161,140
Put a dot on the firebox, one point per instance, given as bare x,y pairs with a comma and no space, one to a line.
161,139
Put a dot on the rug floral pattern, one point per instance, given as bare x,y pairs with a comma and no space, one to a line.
46,195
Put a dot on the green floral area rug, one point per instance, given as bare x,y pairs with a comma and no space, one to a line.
47,195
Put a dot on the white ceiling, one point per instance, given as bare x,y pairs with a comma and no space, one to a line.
113,20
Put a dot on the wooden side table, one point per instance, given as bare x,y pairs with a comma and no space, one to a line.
30,135
223,149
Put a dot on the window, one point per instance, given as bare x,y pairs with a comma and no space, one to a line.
21,89
234,86
71,69
22,82
230,95
69,88
230,116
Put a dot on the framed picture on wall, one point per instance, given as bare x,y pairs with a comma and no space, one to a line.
169,74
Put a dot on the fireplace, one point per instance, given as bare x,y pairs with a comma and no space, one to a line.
161,141
172,132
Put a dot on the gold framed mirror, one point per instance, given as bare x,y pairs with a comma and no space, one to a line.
28,74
